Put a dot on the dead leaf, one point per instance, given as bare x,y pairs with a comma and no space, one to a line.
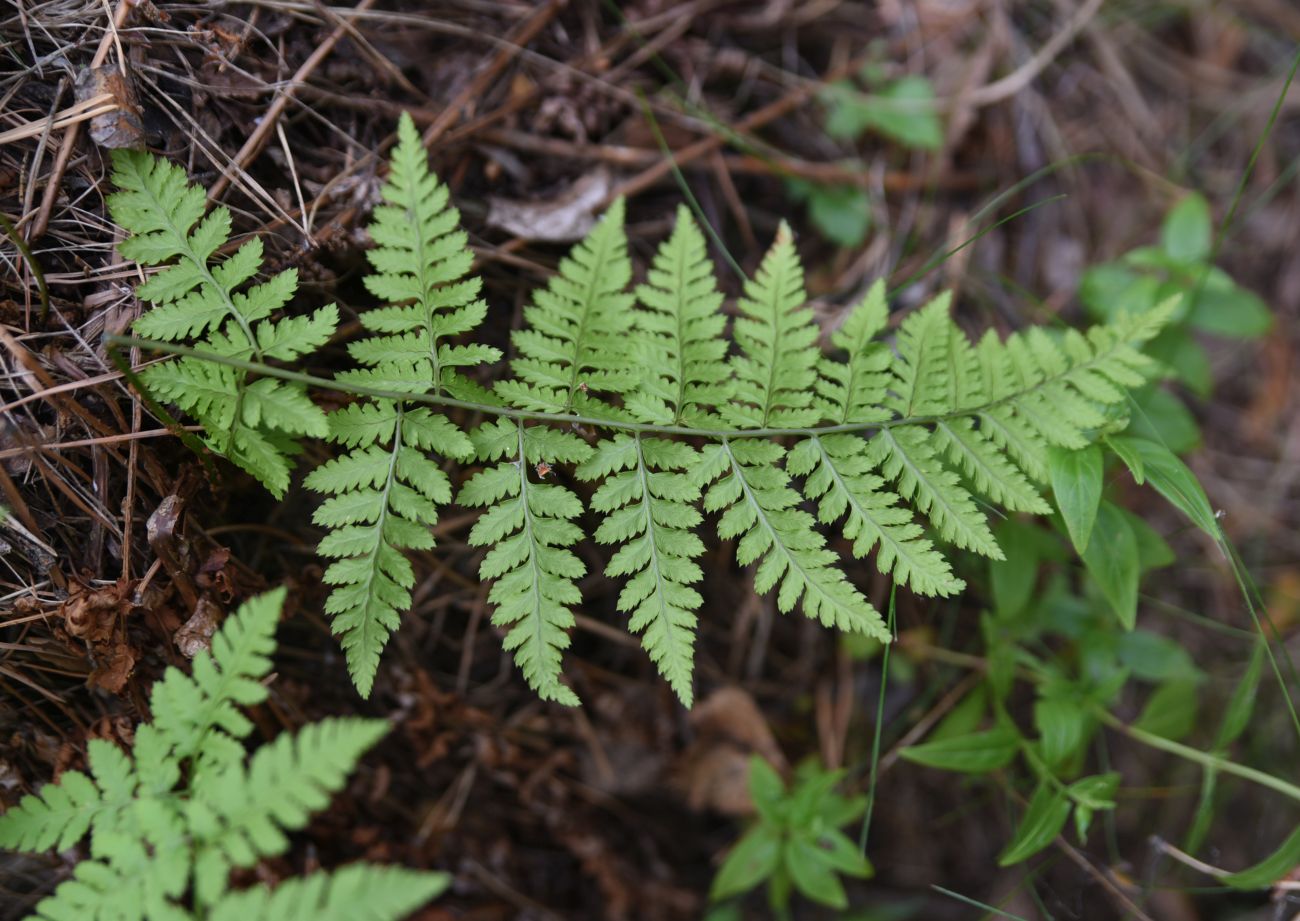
97,617
196,633
562,219
713,772
122,127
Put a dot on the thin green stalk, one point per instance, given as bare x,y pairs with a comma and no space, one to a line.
1207,760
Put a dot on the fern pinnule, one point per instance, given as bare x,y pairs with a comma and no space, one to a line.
685,372
575,343
201,298
649,505
529,527
775,372
855,390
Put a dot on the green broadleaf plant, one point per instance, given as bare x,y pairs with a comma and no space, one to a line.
895,446
796,839
170,820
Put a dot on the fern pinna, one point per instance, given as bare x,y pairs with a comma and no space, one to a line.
899,445
169,821
204,300
385,491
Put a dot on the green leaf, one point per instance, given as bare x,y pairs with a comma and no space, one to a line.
1222,307
1171,711
1090,795
766,788
904,111
1061,722
841,213
1271,869
1042,822
1076,483
1112,561
1172,479
977,753
1012,580
1236,717
1156,658
812,872
754,858
1186,232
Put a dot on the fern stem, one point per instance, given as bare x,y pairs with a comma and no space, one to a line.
539,637
570,419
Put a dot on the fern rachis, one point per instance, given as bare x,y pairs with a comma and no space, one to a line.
665,418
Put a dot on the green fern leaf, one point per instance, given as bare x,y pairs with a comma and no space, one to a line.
358,892
385,491
196,716
838,476
649,504
776,370
58,817
529,528
575,341
683,354
241,814
905,455
855,391
759,507
196,294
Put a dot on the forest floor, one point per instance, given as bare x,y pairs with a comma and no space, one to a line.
1067,132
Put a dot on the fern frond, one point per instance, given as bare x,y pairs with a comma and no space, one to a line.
649,504
152,842
837,474
200,298
241,814
683,354
574,339
529,528
776,368
358,892
891,442
197,716
386,491
759,507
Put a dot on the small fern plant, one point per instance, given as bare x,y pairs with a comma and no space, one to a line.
900,447
171,819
